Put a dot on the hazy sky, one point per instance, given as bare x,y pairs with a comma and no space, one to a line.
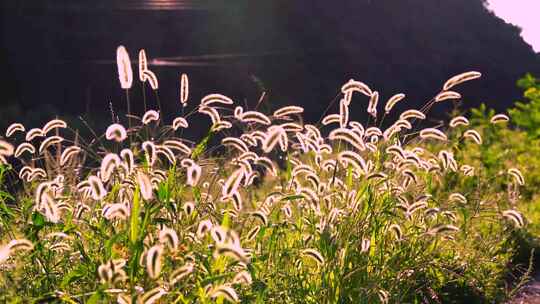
523,13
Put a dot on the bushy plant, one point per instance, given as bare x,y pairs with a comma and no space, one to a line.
526,115
513,144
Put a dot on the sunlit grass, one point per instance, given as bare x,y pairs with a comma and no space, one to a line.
279,212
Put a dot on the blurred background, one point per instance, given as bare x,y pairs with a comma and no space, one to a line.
59,57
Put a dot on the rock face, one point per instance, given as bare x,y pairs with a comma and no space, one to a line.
300,52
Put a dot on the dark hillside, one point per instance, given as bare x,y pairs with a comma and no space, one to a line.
299,51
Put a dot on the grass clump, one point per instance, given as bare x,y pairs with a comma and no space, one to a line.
349,213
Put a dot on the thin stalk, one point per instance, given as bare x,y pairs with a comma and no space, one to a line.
332,102
158,101
128,109
382,119
144,96
129,115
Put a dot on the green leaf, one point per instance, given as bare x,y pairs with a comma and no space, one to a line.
38,220
95,298
199,149
134,220
110,243
74,275
196,194
226,222
289,169
6,210
163,192
349,176
292,197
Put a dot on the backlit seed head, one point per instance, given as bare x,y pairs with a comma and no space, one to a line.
154,261
116,132
125,74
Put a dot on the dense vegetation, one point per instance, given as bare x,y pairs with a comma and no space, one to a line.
518,145
279,211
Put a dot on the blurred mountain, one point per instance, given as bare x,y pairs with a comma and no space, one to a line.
61,53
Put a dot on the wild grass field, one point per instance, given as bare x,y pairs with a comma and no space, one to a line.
279,211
